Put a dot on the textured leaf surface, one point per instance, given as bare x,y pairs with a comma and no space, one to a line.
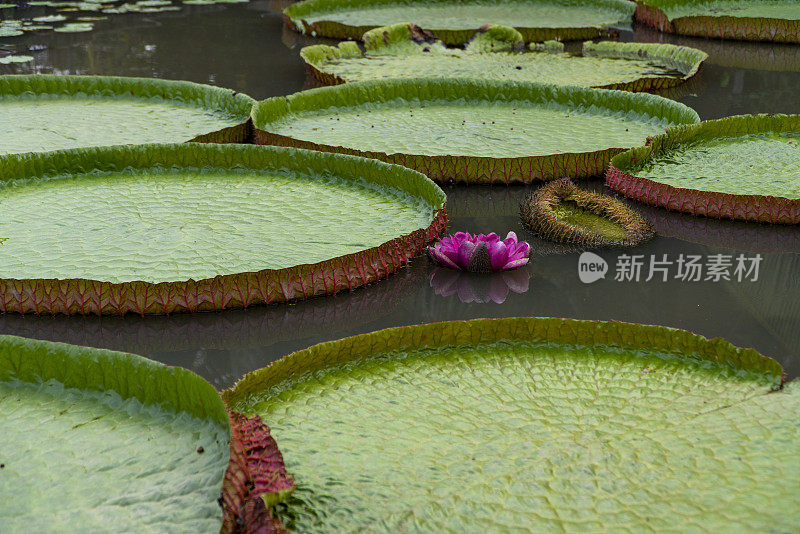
469,130
394,53
782,9
242,212
455,22
102,441
543,424
742,167
57,112
762,20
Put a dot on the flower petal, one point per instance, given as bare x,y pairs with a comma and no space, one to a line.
516,263
498,254
464,253
437,256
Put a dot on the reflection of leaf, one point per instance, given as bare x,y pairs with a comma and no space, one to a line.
479,287
534,424
3,240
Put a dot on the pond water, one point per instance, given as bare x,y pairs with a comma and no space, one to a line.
245,47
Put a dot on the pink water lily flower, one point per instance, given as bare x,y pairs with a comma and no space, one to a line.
480,253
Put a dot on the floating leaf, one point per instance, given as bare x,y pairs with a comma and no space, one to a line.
742,167
95,439
74,27
43,112
456,22
562,212
776,21
244,225
470,130
405,51
532,425
15,59
50,18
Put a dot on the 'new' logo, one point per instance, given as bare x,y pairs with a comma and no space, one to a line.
591,267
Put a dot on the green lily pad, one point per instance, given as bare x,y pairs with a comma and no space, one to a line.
15,59
742,167
531,425
53,112
470,130
405,51
158,228
96,440
455,22
50,18
761,20
163,9
75,27
10,32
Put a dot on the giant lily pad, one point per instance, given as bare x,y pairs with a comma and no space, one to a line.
42,112
405,51
98,441
742,167
749,20
162,228
456,21
531,425
470,130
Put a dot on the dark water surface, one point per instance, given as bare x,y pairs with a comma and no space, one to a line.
245,47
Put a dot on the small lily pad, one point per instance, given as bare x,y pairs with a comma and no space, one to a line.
75,27
15,59
50,18
562,212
